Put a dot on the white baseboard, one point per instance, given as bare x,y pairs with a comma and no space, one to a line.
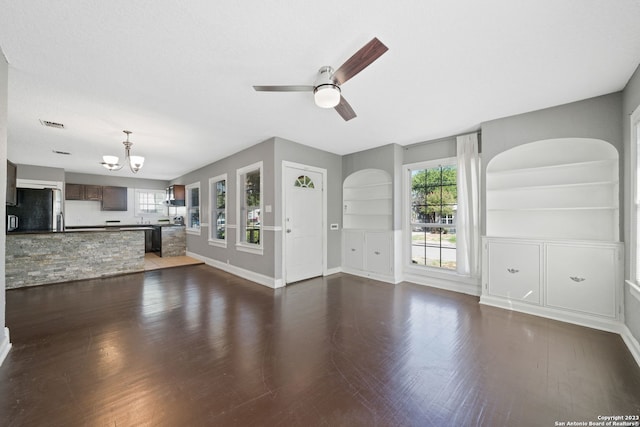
632,344
369,275
258,278
603,324
331,271
5,345
449,285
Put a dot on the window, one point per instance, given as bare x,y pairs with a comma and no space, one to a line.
193,208
150,203
249,208
434,201
218,209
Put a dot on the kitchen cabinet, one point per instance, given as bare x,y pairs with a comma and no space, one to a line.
83,192
114,198
93,192
176,195
12,194
73,192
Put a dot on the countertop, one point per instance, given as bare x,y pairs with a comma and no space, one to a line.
90,228
81,230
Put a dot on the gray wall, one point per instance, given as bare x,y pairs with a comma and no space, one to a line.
263,264
4,77
430,150
112,180
40,173
599,118
387,158
630,101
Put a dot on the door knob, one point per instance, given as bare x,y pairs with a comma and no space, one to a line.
288,230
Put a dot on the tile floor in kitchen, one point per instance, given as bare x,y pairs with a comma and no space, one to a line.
155,262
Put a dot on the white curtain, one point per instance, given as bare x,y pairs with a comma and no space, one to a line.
468,213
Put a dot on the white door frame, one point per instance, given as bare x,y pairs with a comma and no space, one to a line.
287,164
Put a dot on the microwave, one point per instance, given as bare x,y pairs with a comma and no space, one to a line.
12,222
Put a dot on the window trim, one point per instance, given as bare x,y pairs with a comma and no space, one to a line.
188,188
406,219
136,203
634,200
241,245
213,240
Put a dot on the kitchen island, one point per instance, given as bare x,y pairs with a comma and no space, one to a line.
37,258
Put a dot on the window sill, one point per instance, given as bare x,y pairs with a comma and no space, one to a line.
194,231
218,243
252,249
634,290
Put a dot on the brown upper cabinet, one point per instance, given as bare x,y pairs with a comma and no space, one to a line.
175,195
82,192
114,198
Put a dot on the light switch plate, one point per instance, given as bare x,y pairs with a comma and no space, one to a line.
267,208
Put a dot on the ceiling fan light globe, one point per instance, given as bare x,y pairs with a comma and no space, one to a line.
326,95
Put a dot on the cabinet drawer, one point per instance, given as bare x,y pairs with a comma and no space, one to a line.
582,278
514,271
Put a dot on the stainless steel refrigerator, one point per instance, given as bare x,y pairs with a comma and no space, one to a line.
38,209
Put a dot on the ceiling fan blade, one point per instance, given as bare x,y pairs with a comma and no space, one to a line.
360,60
287,88
345,110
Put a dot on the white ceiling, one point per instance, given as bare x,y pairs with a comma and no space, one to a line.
179,74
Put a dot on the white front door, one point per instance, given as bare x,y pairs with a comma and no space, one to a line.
303,224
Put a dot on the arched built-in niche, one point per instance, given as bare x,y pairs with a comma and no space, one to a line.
563,189
367,200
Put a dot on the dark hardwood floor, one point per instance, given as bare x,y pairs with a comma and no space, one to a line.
193,346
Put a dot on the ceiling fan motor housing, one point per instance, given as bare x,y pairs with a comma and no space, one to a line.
326,92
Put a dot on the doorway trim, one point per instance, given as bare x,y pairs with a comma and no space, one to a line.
285,165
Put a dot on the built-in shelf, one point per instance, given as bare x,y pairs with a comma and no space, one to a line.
562,188
367,196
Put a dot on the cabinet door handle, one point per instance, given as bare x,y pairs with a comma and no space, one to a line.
512,270
353,250
376,252
577,279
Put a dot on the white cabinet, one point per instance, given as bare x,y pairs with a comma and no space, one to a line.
378,252
553,228
577,282
368,253
367,221
353,249
514,271
582,278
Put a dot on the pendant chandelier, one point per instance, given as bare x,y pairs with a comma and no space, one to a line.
135,162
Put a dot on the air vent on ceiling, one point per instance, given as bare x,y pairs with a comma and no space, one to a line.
52,124
64,153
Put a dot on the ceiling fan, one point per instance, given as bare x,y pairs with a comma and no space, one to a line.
326,89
